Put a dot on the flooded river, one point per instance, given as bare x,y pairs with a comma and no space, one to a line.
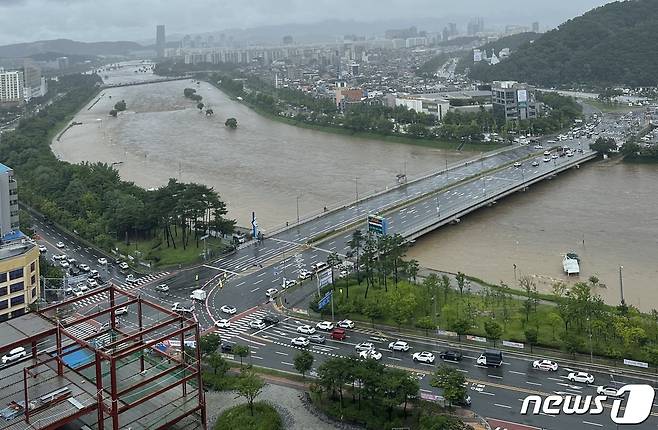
606,212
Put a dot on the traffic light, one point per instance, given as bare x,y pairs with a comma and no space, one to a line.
377,224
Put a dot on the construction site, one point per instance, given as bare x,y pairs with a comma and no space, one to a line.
125,363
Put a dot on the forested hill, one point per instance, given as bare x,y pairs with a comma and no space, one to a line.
611,45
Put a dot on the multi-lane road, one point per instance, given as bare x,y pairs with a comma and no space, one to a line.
241,279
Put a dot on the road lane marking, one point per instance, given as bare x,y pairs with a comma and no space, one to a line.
495,376
502,406
281,353
518,373
593,424
258,282
286,363
532,383
255,289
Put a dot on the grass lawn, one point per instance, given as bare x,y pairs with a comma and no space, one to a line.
239,418
412,305
156,251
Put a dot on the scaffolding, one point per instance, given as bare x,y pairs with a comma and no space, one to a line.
104,371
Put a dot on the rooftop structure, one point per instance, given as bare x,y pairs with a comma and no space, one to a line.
102,371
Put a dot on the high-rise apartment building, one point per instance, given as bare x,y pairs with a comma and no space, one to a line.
160,40
11,86
8,202
35,84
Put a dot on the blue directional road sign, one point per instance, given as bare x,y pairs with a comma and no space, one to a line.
377,224
325,300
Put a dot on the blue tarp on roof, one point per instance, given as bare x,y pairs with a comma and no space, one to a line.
12,235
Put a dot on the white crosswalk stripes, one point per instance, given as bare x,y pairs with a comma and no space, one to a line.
85,329
240,325
89,301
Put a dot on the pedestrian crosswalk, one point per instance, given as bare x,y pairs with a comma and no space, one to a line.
85,330
99,298
239,325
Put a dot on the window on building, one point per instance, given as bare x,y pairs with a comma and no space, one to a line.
34,292
33,266
4,304
33,280
3,277
14,288
3,291
18,300
15,274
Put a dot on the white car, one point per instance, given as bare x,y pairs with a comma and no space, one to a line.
370,354
14,354
546,159
517,164
60,245
399,345
364,346
84,267
271,292
163,288
305,329
179,307
58,257
325,325
131,279
423,357
223,323
535,163
42,248
289,283
300,341
304,274
345,324
65,264
92,283
547,153
554,156
228,309
94,274
582,377
123,265
538,147
257,324
605,390
121,311
102,261
547,365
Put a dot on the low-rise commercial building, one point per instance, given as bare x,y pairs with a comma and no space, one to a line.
19,277
514,101
428,104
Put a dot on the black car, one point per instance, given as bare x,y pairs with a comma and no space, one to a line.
451,355
316,338
270,320
227,347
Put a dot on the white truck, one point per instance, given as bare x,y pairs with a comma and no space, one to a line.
198,295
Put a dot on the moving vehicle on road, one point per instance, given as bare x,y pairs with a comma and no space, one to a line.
399,345
64,264
84,267
121,311
257,324
345,324
582,377
198,295
58,257
14,354
547,365
317,338
222,323
364,346
304,274
517,164
102,261
547,153
227,347
123,265
300,341
288,283
271,292
338,334
163,288
94,274
535,163
423,357
228,309
325,325
183,307
60,245
450,355
271,320
305,329
606,390
43,249
490,357
370,354
92,283
547,159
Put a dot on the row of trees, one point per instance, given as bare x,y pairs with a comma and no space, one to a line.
90,198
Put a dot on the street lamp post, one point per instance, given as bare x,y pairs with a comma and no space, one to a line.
298,208
356,189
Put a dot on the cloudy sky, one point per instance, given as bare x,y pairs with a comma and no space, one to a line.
94,20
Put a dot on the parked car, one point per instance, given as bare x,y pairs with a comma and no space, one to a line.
582,377
228,309
14,354
305,329
338,334
545,365
399,345
300,341
450,355
371,354
423,357
317,338
325,325
222,323
345,324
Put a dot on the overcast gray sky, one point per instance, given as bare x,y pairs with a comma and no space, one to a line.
95,20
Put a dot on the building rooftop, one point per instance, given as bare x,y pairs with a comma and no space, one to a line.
4,168
16,330
12,247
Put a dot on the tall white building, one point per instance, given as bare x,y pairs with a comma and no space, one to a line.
11,86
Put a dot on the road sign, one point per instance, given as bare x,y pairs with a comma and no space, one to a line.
377,224
325,300
325,277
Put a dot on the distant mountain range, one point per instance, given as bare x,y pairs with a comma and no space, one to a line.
67,47
611,45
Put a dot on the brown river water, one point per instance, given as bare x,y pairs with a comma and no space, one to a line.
606,212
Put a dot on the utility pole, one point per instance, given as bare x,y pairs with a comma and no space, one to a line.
621,285
298,208
356,188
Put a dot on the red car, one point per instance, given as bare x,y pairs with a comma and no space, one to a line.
338,334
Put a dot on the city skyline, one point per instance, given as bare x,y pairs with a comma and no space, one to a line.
89,21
